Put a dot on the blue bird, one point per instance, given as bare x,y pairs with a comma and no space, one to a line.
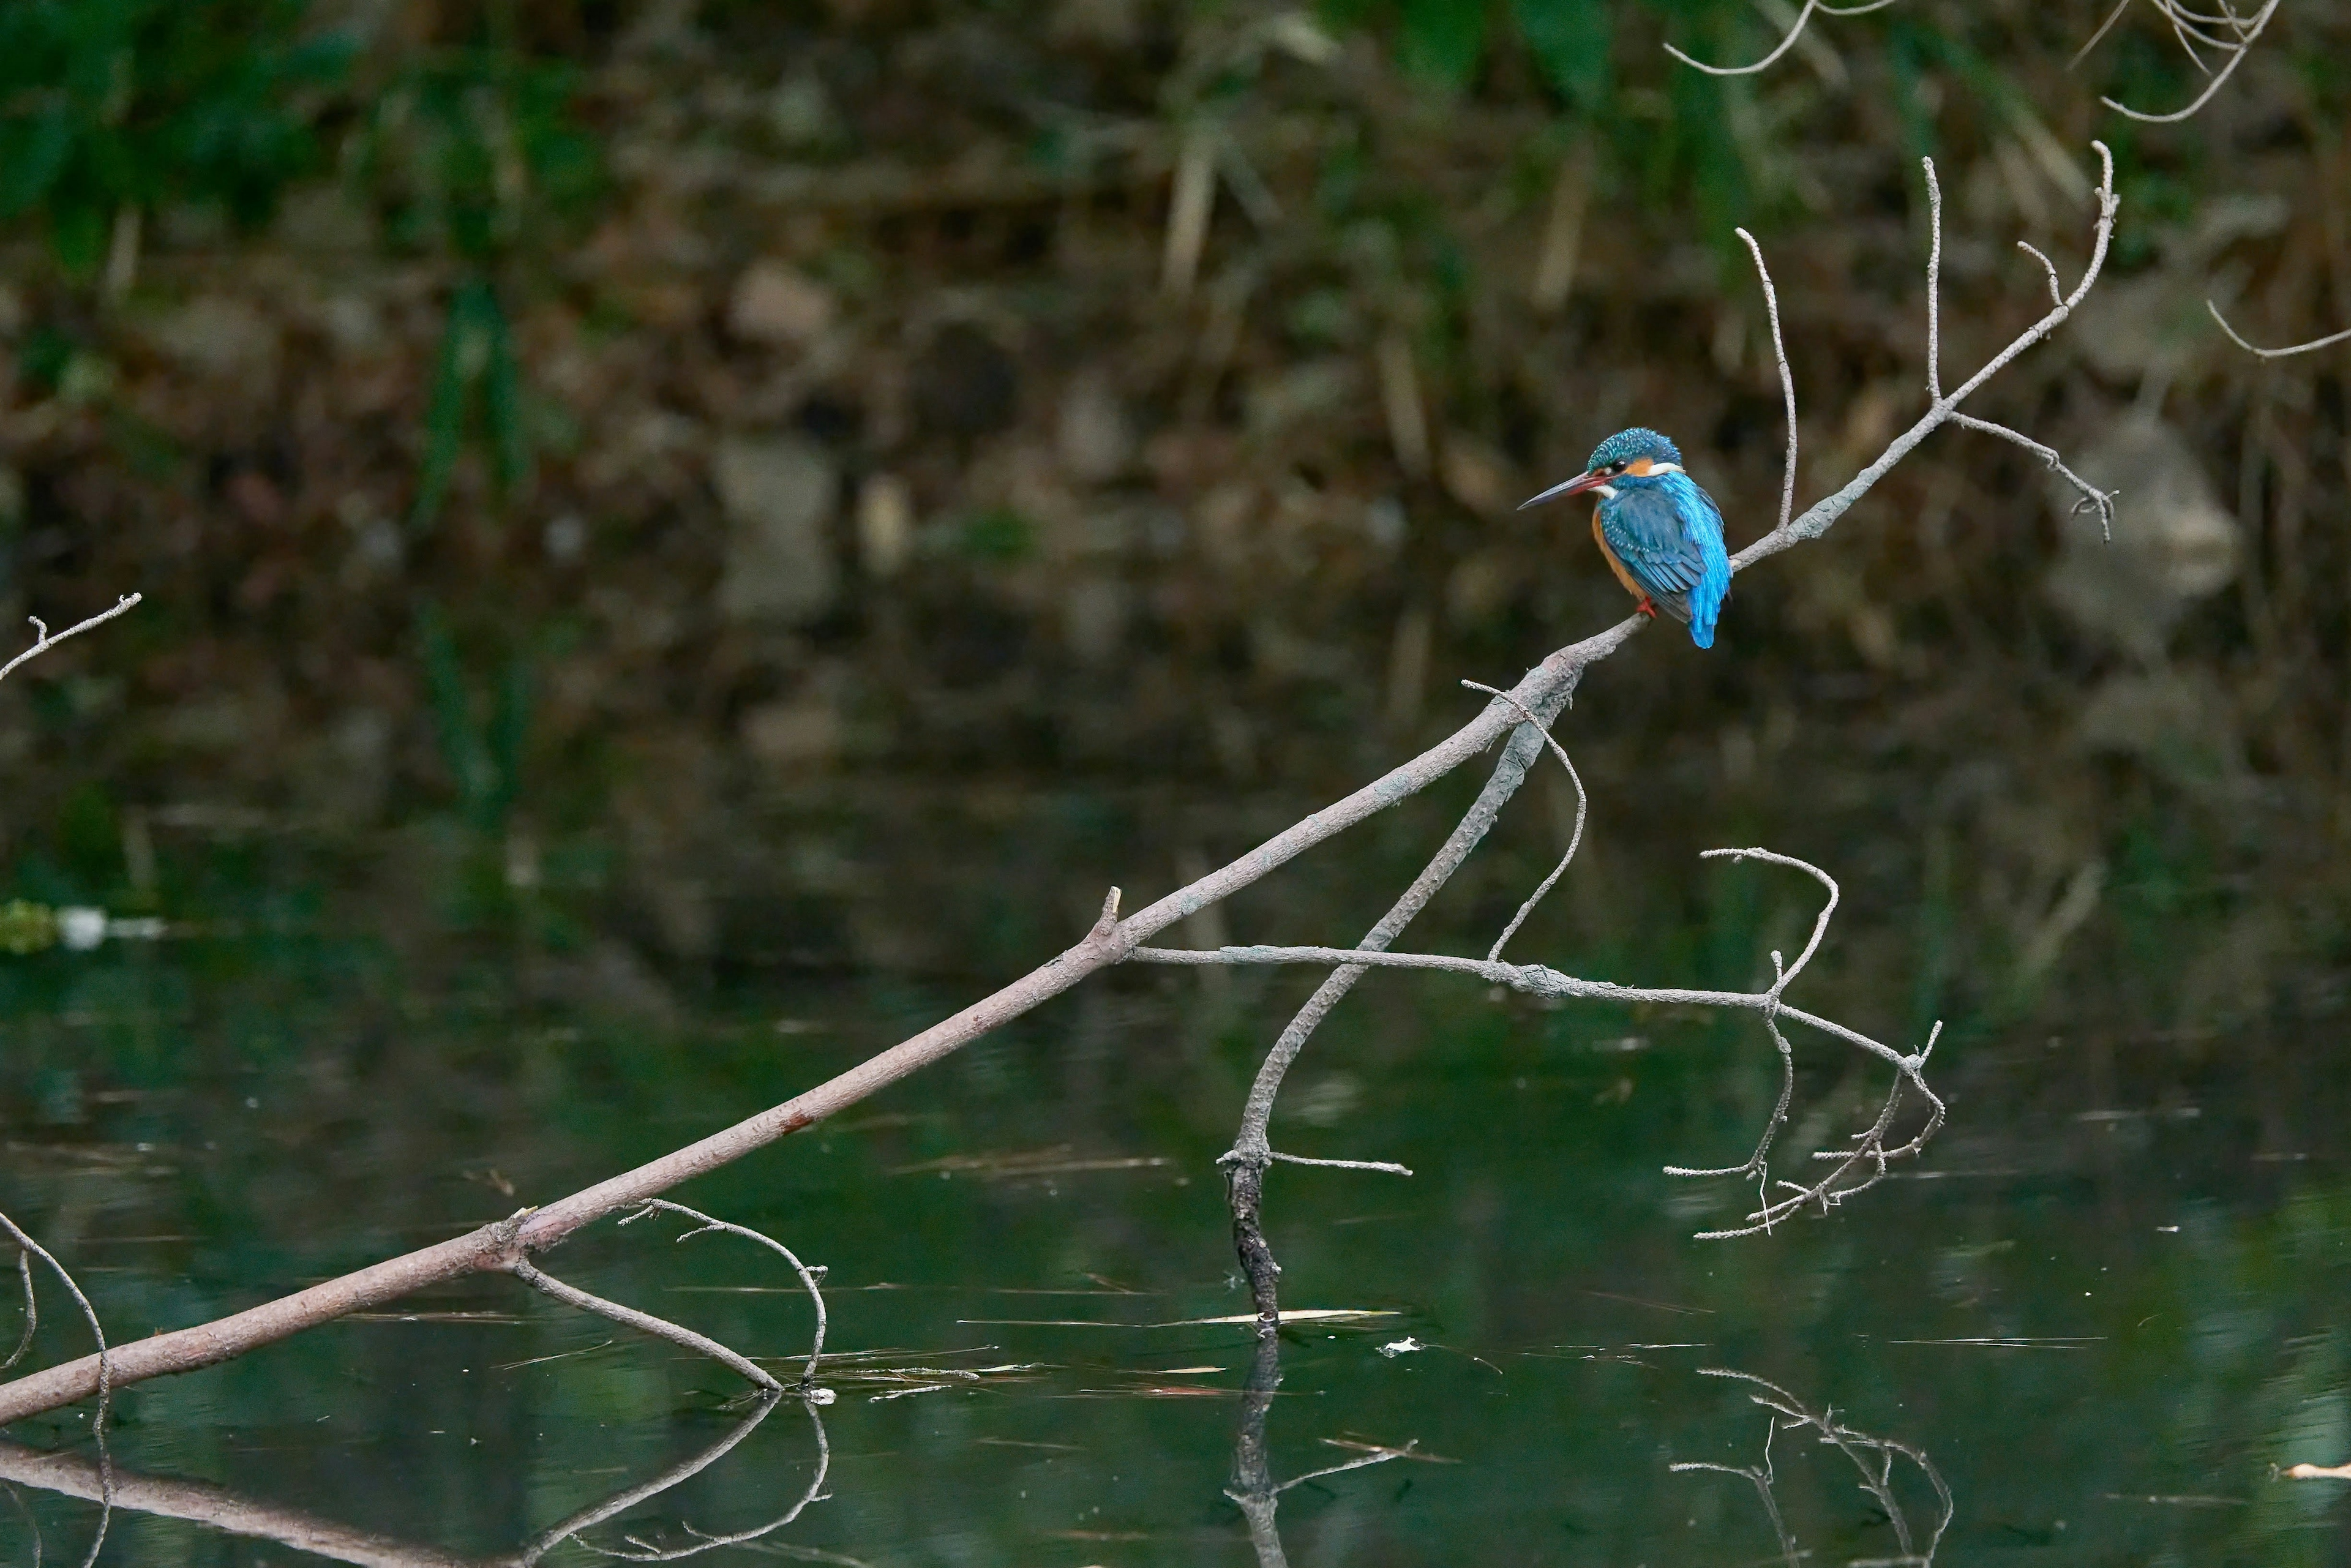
1661,533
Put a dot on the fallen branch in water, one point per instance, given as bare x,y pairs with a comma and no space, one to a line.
233,1514
26,1248
1544,693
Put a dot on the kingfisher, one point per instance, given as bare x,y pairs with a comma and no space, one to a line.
1661,533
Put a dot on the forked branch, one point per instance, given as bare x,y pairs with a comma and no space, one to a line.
43,642
2225,32
808,1276
521,1266
1851,1171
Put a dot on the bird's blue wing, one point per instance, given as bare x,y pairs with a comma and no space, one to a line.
1660,533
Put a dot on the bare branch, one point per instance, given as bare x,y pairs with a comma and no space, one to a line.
1544,689
1933,282
2056,292
1874,1458
218,1508
1574,840
1388,1166
1531,980
2104,28
2093,498
808,1276
2243,31
1818,518
643,1323
703,1542
24,1244
32,1309
1253,1150
1786,43
1376,1457
1780,356
43,642
1870,1153
2325,342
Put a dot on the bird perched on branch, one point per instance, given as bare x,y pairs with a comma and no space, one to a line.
1661,533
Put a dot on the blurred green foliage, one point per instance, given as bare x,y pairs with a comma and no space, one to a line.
109,106
463,151
477,376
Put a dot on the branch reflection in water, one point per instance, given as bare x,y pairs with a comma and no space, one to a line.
1252,1488
1875,1457
218,1508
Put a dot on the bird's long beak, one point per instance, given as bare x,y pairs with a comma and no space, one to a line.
1575,486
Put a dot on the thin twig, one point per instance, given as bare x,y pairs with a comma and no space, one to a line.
1822,515
2104,28
1253,1150
643,1323
1574,840
1933,282
1786,43
597,1513
1872,1456
2246,31
2056,290
1787,379
24,1243
32,1309
43,642
1388,1166
1831,1190
2325,342
2093,498
1537,980
646,1553
808,1277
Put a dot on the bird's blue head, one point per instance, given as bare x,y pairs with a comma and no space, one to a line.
1635,457
1627,450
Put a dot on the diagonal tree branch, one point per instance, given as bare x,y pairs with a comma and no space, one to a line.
489,1248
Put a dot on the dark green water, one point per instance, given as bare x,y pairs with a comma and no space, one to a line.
2087,1327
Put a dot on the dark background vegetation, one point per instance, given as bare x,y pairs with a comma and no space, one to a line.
669,490
683,541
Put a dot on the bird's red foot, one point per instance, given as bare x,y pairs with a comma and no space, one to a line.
1647,607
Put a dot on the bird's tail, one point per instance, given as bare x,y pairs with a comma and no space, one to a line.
1706,602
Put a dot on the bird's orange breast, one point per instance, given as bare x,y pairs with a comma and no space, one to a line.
1600,537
